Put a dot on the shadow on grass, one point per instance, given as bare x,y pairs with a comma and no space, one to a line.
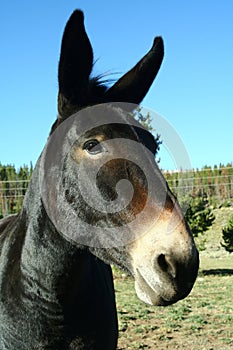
217,272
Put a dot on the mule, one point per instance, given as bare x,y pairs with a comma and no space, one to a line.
56,291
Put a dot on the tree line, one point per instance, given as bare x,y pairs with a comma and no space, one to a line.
13,186
212,184
199,192
215,183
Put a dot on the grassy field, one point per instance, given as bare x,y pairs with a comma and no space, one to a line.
203,321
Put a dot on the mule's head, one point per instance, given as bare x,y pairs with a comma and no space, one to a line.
156,245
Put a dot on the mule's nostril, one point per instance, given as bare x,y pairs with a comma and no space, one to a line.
167,265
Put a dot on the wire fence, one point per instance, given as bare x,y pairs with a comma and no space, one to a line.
11,196
218,189
195,183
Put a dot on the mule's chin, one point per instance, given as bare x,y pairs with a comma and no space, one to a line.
145,297
155,294
151,298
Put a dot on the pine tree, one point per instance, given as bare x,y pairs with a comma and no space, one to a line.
227,235
146,122
198,214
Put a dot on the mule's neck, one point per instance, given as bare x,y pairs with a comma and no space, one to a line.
64,277
46,256
50,263
57,293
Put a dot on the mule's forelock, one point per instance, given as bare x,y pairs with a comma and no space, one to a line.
78,90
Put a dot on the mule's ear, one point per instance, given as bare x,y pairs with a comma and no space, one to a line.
75,65
134,85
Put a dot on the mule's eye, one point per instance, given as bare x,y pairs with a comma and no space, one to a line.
93,147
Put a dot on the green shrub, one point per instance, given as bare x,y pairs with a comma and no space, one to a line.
198,214
227,235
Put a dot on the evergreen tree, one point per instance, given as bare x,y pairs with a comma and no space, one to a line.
198,214
146,122
227,235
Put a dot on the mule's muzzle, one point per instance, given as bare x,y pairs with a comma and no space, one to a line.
180,275
168,279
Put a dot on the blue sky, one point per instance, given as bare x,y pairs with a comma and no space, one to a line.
193,90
